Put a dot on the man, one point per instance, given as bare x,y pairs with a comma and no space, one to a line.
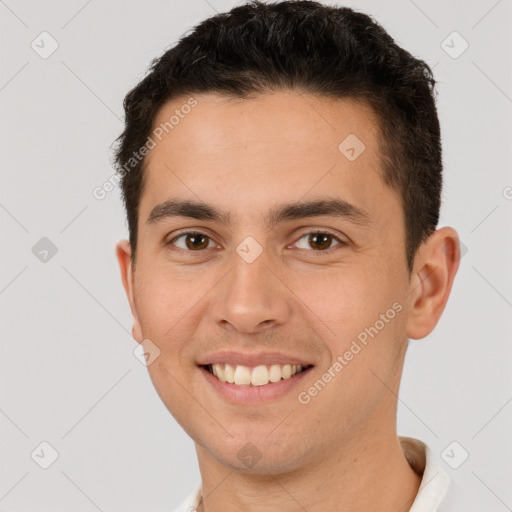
281,172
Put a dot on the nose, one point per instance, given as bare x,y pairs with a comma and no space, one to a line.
252,297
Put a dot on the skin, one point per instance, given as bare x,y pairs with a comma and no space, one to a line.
245,156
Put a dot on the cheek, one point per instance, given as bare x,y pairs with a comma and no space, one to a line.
170,385
339,301
356,305
165,289
164,305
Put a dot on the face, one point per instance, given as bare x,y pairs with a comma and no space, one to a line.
254,279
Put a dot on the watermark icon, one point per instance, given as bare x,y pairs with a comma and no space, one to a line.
44,455
304,397
249,454
249,249
44,45
507,192
351,147
454,45
146,352
44,250
455,455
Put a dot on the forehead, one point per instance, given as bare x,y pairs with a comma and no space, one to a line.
273,121
279,147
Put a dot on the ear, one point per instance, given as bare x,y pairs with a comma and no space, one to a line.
123,253
436,264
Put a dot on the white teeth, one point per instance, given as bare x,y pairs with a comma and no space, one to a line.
286,371
221,373
275,373
259,376
241,375
229,372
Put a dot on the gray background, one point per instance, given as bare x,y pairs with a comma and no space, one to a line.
68,374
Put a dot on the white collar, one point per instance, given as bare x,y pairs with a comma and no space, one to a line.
435,480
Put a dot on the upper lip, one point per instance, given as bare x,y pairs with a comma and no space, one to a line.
262,358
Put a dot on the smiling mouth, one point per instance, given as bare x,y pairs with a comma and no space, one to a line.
240,375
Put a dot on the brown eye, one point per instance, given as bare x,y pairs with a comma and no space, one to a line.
193,241
320,240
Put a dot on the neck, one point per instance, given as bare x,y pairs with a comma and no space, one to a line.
359,476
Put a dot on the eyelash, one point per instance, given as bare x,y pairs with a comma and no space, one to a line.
341,243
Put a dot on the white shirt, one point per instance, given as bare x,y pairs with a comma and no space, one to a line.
433,487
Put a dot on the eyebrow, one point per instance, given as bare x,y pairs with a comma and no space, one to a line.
331,207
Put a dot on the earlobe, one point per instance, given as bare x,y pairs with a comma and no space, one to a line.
123,253
437,263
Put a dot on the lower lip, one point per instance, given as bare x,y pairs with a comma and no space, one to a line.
244,394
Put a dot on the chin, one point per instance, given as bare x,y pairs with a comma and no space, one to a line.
256,455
